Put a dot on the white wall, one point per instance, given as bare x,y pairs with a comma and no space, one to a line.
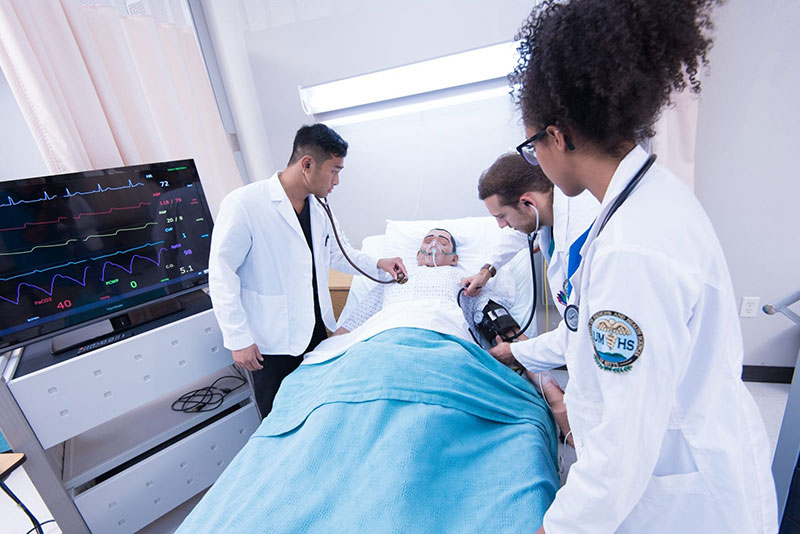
423,165
746,162
19,155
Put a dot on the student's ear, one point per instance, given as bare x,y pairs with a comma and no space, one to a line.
526,201
306,162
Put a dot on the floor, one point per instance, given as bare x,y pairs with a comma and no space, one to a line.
771,399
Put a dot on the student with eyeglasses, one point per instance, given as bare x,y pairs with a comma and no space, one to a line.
668,438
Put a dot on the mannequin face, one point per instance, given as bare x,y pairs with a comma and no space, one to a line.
436,248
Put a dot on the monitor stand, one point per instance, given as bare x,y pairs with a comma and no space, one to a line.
111,330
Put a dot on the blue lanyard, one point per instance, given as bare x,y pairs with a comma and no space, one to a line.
575,257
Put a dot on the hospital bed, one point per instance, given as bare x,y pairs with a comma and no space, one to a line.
408,431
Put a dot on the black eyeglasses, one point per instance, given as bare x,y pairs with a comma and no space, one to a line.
527,149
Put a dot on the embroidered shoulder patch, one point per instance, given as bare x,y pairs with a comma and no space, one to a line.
618,340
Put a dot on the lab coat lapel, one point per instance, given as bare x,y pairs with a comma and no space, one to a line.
626,170
285,209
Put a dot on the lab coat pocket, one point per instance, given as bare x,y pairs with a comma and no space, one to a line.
268,319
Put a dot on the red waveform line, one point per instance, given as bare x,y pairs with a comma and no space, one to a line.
63,218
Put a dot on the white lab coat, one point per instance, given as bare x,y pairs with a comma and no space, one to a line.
675,444
260,269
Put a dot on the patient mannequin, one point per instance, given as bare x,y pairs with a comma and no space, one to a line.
437,276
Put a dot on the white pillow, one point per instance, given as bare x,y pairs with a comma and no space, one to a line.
476,239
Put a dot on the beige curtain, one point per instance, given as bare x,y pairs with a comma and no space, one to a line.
676,132
102,89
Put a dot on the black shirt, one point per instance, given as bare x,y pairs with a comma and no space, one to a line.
320,333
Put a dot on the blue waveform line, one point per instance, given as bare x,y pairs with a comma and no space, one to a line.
81,261
129,250
49,293
12,202
129,270
52,283
42,270
99,189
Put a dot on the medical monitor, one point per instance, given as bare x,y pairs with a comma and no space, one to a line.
75,248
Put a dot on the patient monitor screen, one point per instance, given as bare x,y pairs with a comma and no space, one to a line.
77,247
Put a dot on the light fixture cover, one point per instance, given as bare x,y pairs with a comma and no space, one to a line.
464,68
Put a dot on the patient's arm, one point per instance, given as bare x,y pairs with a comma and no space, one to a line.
553,394
369,306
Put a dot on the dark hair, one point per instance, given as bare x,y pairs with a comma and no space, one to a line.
319,142
452,238
509,177
603,69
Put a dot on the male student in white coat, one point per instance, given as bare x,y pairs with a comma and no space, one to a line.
271,250
519,195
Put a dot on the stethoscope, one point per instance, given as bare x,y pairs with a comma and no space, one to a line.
571,313
401,278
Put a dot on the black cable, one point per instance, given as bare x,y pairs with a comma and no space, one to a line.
535,295
208,398
43,524
36,525
401,278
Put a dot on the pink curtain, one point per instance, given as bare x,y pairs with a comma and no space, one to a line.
99,89
676,132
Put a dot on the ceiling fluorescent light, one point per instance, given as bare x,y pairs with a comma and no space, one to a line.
417,107
488,63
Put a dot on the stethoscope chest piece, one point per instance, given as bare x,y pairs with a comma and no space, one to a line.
401,278
571,315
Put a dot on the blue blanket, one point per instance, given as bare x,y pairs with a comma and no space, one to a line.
410,431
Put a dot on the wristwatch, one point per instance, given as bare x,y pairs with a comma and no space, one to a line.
492,270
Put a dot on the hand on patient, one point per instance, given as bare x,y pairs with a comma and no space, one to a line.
473,284
248,358
393,266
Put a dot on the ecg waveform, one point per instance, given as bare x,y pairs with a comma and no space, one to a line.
76,217
70,194
73,240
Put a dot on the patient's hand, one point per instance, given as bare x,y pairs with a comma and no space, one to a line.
248,358
475,283
341,330
554,395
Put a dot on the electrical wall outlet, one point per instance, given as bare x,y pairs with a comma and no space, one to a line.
749,307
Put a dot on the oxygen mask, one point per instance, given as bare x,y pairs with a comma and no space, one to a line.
433,253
